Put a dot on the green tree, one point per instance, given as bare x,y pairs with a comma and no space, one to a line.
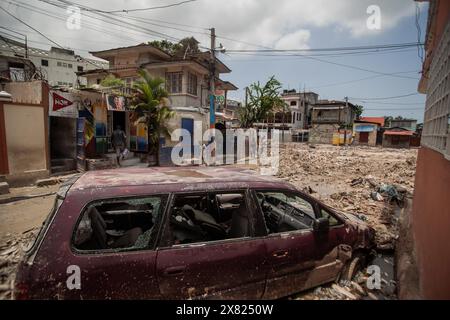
358,111
151,103
187,45
111,81
262,100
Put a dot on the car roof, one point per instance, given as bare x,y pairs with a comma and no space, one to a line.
179,176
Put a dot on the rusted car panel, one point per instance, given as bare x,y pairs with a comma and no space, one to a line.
252,264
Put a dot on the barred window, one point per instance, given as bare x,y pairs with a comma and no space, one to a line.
192,84
436,126
174,82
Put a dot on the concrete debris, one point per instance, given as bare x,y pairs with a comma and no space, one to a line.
343,291
47,182
4,187
10,254
345,178
376,196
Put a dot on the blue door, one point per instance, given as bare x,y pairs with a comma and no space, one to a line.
188,124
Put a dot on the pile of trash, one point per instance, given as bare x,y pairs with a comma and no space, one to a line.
370,182
351,290
11,253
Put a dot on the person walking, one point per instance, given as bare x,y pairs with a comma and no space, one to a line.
118,140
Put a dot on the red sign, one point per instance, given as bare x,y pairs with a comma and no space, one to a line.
60,102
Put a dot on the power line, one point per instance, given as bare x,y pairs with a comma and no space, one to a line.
91,26
357,80
385,98
136,9
355,53
379,46
111,18
43,35
392,103
391,109
23,22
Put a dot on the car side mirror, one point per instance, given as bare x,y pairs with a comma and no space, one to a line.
321,225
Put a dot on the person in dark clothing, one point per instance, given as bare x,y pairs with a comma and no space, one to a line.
118,141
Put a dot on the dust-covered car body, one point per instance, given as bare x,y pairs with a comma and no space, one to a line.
179,233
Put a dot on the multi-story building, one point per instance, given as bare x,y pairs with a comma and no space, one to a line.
327,117
186,80
300,105
57,66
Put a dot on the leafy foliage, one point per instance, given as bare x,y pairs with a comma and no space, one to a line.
358,111
151,104
186,45
262,100
112,81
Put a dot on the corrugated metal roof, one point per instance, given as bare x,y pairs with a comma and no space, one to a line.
398,133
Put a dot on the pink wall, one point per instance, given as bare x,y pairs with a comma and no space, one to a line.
431,223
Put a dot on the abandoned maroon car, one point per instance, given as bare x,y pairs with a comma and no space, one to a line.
179,233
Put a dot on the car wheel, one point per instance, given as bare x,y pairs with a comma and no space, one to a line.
352,267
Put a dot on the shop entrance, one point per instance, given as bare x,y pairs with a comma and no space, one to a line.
117,118
63,148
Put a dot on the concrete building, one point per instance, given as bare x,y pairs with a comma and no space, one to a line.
430,217
408,124
397,138
300,105
57,66
365,132
328,117
186,80
24,133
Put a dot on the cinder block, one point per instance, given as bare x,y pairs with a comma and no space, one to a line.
4,187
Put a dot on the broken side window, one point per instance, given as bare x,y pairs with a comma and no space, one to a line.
119,224
331,219
285,211
208,217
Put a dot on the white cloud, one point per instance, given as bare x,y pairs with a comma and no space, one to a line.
285,24
297,39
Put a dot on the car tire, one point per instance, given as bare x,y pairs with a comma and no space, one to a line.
351,268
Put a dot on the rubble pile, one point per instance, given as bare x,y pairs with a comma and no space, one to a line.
368,181
11,252
350,290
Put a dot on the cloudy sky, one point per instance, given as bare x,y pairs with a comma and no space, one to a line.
257,24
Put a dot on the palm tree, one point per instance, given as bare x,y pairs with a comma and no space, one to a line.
151,103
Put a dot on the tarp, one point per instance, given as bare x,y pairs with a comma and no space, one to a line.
62,104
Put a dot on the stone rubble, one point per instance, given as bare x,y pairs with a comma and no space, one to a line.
354,179
10,254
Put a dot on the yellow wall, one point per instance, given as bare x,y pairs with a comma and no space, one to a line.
25,138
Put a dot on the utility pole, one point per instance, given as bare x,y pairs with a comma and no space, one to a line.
26,47
345,132
305,112
212,88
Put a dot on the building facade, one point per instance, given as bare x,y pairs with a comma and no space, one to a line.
300,105
430,211
328,117
186,81
57,66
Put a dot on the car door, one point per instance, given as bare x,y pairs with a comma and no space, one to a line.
200,256
332,249
123,267
290,253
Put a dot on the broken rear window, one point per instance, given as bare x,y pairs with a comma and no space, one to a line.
119,224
